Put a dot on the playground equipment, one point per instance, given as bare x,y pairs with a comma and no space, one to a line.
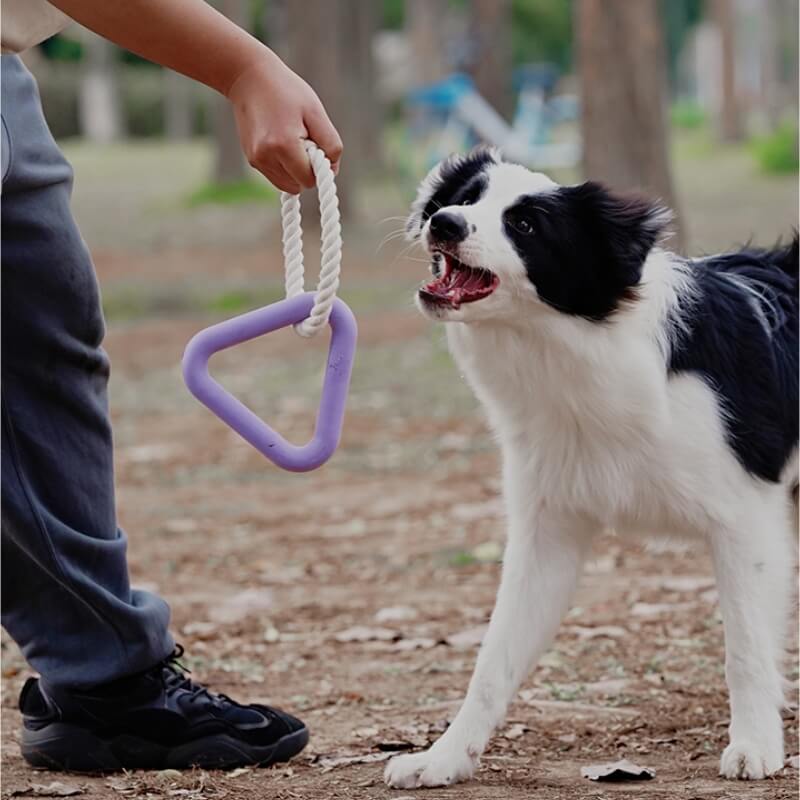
461,117
308,312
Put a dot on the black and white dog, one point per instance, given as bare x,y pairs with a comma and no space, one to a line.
629,388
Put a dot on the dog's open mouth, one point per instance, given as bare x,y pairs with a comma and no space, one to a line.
458,283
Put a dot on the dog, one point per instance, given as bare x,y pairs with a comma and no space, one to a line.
629,388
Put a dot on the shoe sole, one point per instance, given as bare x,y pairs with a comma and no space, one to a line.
69,748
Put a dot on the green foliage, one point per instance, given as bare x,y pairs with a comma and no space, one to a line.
238,192
542,31
62,48
462,558
393,14
678,16
566,694
777,153
688,115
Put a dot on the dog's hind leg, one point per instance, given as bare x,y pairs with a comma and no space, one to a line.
754,563
541,565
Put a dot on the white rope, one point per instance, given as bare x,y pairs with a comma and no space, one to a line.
331,245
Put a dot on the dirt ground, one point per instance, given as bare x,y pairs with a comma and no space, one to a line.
356,595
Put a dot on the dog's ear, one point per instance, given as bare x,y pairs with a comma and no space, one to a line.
622,228
443,182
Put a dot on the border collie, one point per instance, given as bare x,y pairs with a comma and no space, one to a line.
629,388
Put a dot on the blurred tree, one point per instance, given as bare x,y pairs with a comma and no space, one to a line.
425,22
329,43
730,124
392,14
177,105
779,60
229,162
490,29
99,106
622,69
680,16
541,30
362,115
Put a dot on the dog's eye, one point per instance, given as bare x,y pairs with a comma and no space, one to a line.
522,226
470,197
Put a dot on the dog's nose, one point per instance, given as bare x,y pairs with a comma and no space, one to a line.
448,227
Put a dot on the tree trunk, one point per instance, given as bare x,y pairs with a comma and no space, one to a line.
359,113
229,162
314,51
425,20
99,106
178,105
491,32
730,126
622,65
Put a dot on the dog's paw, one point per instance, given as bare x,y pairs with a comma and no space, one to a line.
746,760
429,768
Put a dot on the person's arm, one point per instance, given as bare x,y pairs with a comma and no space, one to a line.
275,108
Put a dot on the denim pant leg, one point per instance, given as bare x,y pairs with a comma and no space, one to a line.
66,599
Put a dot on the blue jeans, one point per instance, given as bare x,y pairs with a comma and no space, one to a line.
66,598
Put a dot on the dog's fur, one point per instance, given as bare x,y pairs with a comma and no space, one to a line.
628,388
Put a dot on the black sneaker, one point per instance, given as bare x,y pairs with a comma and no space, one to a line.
157,719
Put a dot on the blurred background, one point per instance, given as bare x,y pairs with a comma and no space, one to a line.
356,594
687,99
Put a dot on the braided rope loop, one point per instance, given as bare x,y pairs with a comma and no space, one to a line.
331,244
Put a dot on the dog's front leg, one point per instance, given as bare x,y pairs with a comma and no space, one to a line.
540,570
755,574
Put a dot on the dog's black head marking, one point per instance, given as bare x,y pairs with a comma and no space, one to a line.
583,247
458,180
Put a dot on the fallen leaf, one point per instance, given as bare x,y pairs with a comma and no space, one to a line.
582,709
272,634
618,771
241,605
420,643
54,789
365,733
236,773
168,775
659,609
687,583
515,731
353,527
361,633
331,762
396,614
611,686
488,551
793,762
469,512
609,631
200,629
471,637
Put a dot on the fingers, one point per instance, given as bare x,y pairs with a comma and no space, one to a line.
281,179
275,161
324,135
294,159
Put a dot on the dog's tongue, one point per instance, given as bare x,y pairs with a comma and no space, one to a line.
461,285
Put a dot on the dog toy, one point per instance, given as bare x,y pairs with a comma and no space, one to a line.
309,313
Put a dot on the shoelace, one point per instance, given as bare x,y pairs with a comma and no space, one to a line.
175,677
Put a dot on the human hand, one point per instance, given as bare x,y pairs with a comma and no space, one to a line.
275,111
